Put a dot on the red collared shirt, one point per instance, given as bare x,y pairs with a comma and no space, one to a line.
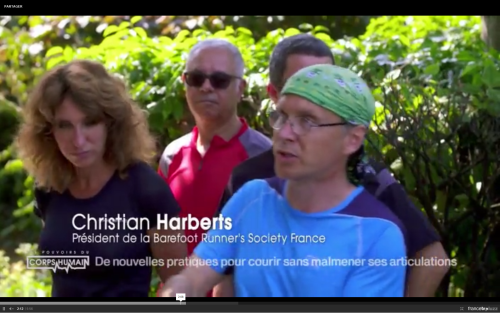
198,182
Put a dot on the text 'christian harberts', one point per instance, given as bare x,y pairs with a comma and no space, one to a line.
86,223
163,221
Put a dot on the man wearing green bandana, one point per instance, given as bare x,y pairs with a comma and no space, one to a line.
423,242
291,236
336,90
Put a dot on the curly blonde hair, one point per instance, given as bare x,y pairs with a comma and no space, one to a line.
99,95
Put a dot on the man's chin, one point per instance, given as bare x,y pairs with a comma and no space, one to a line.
209,114
286,173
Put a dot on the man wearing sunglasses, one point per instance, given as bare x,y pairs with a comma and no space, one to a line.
315,225
290,55
197,166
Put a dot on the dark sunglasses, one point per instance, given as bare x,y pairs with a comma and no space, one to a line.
218,80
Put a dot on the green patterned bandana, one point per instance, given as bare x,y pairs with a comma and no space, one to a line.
336,89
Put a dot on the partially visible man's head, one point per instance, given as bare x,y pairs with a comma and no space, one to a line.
214,80
78,116
320,120
292,54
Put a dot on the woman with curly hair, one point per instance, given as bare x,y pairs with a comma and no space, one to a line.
88,147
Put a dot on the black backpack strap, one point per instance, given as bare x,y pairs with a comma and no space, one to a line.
377,178
384,179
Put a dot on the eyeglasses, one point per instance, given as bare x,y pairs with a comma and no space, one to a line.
218,80
300,125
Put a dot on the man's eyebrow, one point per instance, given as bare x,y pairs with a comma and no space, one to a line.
309,114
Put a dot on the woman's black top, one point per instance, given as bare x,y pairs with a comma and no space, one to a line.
141,194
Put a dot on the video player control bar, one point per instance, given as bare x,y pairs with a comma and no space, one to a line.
187,306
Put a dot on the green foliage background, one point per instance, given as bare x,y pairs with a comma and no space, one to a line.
437,125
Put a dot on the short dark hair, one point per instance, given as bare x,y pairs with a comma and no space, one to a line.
302,44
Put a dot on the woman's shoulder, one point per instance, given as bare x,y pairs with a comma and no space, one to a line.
144,176
43,194
142,169
151,191
42,199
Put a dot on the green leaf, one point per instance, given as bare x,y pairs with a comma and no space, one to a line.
320,28
306,26
181,36
494,109
124,25
178,110
409,179
135,19
466,56
68,53
53,51
463,200
54,62
243,30
432,69
493,94
292,32
325,37
404,40
491,76
469,69
140,32
14,166
111,29
441,199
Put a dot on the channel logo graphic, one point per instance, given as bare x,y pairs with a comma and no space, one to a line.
57,262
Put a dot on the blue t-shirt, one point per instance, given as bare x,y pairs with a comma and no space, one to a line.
356,249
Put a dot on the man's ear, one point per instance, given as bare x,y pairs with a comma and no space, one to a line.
355,138
273,93
242,86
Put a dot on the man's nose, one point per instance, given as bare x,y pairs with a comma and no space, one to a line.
207,86
286,132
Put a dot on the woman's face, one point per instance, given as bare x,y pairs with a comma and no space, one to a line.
81,140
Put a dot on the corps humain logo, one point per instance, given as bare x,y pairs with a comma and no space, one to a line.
59,262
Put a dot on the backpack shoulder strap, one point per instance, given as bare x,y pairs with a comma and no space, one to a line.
376,177
384,179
